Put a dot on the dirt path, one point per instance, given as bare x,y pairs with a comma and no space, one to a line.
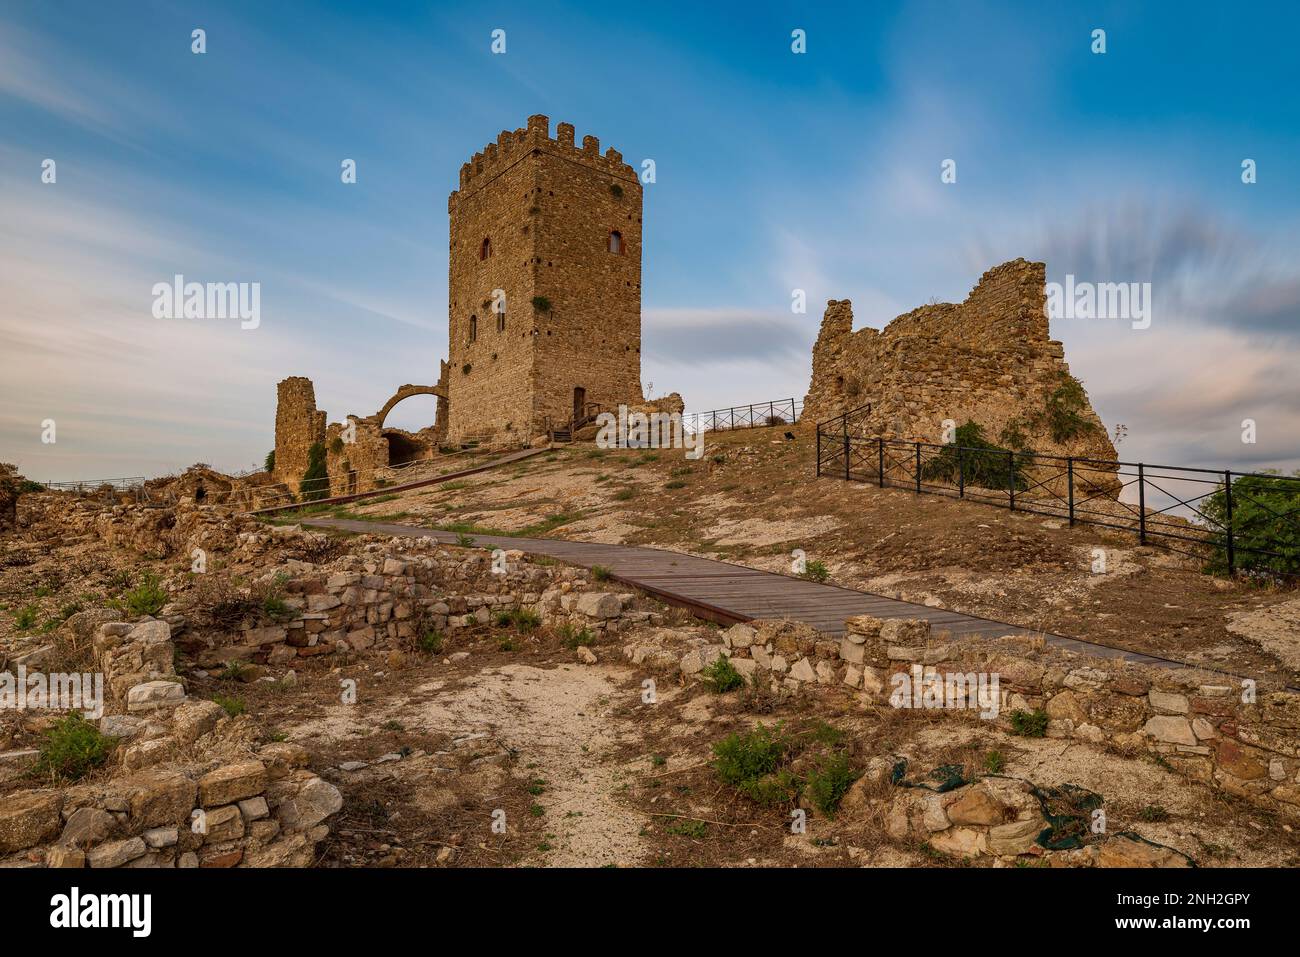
558,722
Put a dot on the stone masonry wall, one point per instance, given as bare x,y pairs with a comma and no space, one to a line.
988,359
1207,726
298,426
548,208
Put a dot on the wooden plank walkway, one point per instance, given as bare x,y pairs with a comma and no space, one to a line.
727,593
421,483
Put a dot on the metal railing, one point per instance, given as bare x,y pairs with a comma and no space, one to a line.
1232,521
755,416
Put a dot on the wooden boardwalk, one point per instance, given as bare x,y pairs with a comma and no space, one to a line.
727,593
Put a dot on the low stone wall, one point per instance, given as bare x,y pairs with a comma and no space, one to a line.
383,598
1211,728
198,790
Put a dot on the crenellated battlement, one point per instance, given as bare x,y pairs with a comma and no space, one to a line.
512,145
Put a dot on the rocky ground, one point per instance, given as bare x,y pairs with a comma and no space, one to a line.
753,499
588,736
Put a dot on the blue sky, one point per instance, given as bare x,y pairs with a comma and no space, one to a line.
775,171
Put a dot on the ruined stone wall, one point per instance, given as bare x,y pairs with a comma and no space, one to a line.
547,208
988,359
591,337
298,426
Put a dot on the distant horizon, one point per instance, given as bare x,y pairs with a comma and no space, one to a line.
775,171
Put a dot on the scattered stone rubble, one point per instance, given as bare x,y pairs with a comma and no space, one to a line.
197,791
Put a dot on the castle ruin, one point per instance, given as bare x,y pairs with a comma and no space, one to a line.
543,313
988,360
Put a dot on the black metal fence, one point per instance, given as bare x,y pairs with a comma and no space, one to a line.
1233,521
755,416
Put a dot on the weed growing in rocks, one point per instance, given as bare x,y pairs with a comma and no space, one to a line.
722,676
232,706
146,598
1029,724
815,571
830,781
73,748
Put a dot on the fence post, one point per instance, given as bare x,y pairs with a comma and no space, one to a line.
881,467
771,412
1069,477
1227,504
846,452
961,473
819,453
1011,477
918,466
751,416
1142,504
715,420
794,414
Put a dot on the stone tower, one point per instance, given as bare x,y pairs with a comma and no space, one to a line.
544,285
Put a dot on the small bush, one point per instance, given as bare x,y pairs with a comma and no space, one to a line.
541,304
1063,416
975,461
524,619
73,748
269,462
828,783
722,676
430,641
464,541
686,827
146,598
1266,536
276,608
624,495
616,190
233,706
994,762
1029,724
25,619
576,638
600,573
815,571
675,483
750,763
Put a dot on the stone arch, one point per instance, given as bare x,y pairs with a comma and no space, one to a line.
405,392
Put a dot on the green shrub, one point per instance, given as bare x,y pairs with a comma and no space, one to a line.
73,748
601,573
268,463
541,304
994,762
977,461
524,619
815,571
675,483
233,706
687,827
464,541
575,638
1063,415
25,619
1029,724
430,641
1264,510
276,608
146,598
722,676
830,781
624,495
751,764
315,481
